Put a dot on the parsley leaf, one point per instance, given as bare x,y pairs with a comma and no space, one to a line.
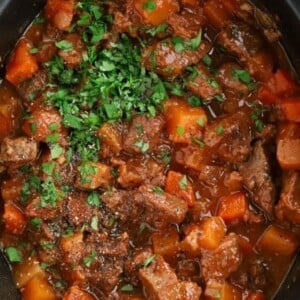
149,6
183,183
147,262
64,45
127,288
13,254
93,199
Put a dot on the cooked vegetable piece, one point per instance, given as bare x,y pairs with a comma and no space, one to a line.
290,109
38,288
14,219
75,293
224,291
22,65
155,12
233,207
278,241
288,154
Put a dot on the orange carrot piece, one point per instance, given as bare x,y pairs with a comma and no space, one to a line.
156,12
290,109
75,293
177,184
22,64
278,241
221,291
38,288
233,207
60,13
15,221
183,121
288,154
165,243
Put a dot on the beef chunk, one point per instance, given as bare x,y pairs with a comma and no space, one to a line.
288,207
19,150
223,261
249,47
161,283
230,137
166,61
137,171
72,248
143,134
77,210
144,205
204,84
229,81
256,175
188,23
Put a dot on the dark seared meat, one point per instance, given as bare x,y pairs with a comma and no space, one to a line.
161,283
143,134
163,59
288,207
230,137
18,151
204,84
223,261
144,205
244,42
134,172
256,175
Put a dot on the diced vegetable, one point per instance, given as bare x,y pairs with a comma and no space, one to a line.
15,221
288,154
278,241
75,293
207,235
38,288
184,122
22,64
177,184
26,270
93,175
155,12
110,136
221,291
60,13
290,109
233,207
11,189
165,243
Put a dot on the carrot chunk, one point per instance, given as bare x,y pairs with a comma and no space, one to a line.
278,241
15,221
184,123
165,243
75,293
60,13
221,291
93,175
155,12
288,154
38,288
290,109
177,184
233,207
207,235
22,64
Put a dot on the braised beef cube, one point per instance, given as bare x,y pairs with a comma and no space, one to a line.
163,58
77,210
188,23
32,88
288,207
143,134
161,283
204,84
229,78
72,248
160,210
249,46
18,151
229,137
223,261
72,56
256,173
137,171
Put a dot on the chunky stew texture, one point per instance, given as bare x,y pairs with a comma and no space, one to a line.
149,149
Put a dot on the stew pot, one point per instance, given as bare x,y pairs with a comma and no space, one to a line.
16,15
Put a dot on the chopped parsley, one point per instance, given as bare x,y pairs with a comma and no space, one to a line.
198,142
93,199
158,190
142,145
153,31
13,254
94,223
127,288
149,6
220,130
244,77
183,183
64,45
49,193
180,130
48,167
207,60
36,222
87,171
87,261
56,151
